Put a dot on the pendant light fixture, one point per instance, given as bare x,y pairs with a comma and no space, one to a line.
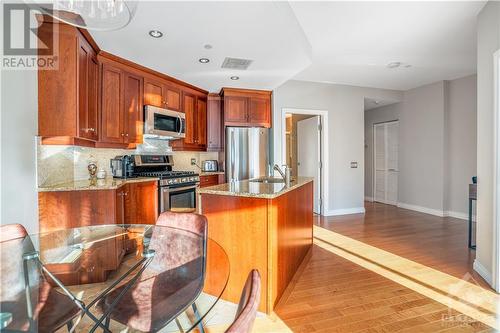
102,15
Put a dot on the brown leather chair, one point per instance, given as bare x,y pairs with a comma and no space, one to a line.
247,308
51,310
173,276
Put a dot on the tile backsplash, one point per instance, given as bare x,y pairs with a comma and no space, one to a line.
61,164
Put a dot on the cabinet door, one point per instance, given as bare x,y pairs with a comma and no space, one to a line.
201,122
214,124
235,109
189,106
93,98
259,111
133,108
120,205
172,98
83,90
141,203
112,105
154,93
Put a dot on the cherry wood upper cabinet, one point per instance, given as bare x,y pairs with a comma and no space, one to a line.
235,109
162,94
112,117
195,109
259,111
133,108
244,107
153,93
68,110
214,123
201,122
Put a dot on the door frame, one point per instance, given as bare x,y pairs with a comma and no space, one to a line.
373,162
496,173
325,170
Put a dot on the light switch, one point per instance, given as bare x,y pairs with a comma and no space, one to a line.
354,165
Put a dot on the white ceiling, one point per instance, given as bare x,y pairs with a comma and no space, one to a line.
266,32
337,42
354,41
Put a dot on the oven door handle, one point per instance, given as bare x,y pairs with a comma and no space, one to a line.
173,189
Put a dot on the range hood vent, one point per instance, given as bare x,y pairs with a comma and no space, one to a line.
235,63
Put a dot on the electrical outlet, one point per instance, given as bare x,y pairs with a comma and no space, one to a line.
193,161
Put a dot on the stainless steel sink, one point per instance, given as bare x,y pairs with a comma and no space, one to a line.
267,180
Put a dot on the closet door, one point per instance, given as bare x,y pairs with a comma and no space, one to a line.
386,162
392,133
379,174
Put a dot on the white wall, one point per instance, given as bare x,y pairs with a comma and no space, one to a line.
374,116
19,114
461,147
345,105
488,42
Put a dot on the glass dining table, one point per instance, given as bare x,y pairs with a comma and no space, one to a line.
110,278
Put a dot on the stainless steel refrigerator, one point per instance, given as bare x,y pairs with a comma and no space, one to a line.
247,153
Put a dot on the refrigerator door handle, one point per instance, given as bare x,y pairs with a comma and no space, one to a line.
232,155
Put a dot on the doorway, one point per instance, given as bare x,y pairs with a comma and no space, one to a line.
385,162
304,150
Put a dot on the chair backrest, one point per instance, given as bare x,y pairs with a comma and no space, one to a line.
192,222
247,308
11,231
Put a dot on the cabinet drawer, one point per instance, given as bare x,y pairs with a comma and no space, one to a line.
209,180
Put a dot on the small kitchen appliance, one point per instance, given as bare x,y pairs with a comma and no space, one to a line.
210,166
122,166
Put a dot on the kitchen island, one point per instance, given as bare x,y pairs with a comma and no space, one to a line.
267,226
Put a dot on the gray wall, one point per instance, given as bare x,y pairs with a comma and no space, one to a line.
345,106
374,116
461,147
488,42
19,116
421,154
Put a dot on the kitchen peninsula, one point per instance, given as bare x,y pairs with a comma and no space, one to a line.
266,226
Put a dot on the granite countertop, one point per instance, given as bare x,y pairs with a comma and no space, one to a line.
246,188
101,184
209,173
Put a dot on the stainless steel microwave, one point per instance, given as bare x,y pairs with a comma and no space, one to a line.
163,124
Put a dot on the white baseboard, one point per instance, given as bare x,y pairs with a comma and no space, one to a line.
481,270
435,212
346,211
459,215
370,199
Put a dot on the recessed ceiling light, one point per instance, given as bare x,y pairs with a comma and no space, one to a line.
234,78
204,60
207,46
376,102
156,33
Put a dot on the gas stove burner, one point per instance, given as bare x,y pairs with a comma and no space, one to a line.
165,174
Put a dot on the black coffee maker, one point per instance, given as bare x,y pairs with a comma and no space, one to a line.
122,166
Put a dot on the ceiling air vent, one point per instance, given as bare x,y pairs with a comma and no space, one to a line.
235,63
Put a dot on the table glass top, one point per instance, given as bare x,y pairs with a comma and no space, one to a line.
143,276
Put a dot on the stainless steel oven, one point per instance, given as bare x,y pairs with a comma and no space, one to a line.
180,198
162,123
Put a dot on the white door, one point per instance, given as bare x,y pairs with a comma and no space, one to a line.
309,155
386,162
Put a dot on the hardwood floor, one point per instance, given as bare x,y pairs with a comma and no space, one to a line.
334,294
440,243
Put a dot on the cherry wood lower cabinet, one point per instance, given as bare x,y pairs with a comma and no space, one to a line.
271,235
132,203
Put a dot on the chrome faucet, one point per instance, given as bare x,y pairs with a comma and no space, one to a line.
285,175
277,168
